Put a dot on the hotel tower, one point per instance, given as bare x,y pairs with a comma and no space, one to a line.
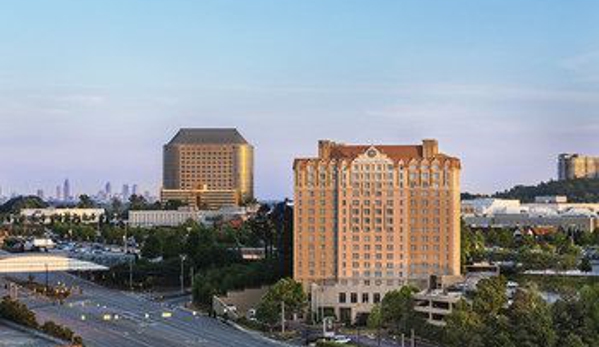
371,218
208,168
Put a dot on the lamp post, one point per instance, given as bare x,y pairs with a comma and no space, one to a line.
47,280
182,257
282,317
131,273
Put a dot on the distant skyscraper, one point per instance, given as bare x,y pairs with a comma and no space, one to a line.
40,194
66,191
125,192
108,189
58,193
134,190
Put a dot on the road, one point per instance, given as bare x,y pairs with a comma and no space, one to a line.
134,320
12,337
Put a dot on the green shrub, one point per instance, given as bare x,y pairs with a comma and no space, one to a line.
17,312
58,331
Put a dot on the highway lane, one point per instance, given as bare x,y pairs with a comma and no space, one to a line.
135,320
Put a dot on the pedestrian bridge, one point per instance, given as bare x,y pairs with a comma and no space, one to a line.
30,263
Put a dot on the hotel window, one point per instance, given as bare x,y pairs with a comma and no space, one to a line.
342,298
376,298
365,297
354,298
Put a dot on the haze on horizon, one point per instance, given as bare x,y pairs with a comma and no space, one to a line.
92,90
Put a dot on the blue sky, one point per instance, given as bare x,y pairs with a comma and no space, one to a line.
90,90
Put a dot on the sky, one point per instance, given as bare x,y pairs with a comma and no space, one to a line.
91,90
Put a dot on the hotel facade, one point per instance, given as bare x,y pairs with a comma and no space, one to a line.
371,218
208,168
573,166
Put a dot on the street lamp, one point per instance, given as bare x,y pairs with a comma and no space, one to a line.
183,257
131,273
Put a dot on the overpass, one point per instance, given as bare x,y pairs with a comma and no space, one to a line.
40,262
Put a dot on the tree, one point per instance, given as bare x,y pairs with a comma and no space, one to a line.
472,244
375,320
531,323
397,309
15,205
85,202
173,245
585,265
589,301
137,202
115,209
192,241
501,237
152,247
263,229
490,296
203,292
573,341
568,316
174,204
463,327
496,331
285,290
577,190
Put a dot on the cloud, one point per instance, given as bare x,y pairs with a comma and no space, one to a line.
486,125
585,66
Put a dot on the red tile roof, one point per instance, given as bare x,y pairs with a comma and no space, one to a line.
394,152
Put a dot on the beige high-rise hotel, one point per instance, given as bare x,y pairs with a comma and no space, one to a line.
208,168
371,218
573,166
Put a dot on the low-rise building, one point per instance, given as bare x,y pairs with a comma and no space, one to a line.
546,211
484,206
153,218
238,303
349,300
580,222
47,215
436,305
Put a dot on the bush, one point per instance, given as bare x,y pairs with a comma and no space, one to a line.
17,312
58,331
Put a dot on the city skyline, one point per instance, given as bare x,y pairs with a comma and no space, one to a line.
483,80
57,192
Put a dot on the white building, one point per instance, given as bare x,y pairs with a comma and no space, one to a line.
46,215
152,218
484,206
546,211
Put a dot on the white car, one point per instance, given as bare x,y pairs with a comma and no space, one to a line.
342,339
